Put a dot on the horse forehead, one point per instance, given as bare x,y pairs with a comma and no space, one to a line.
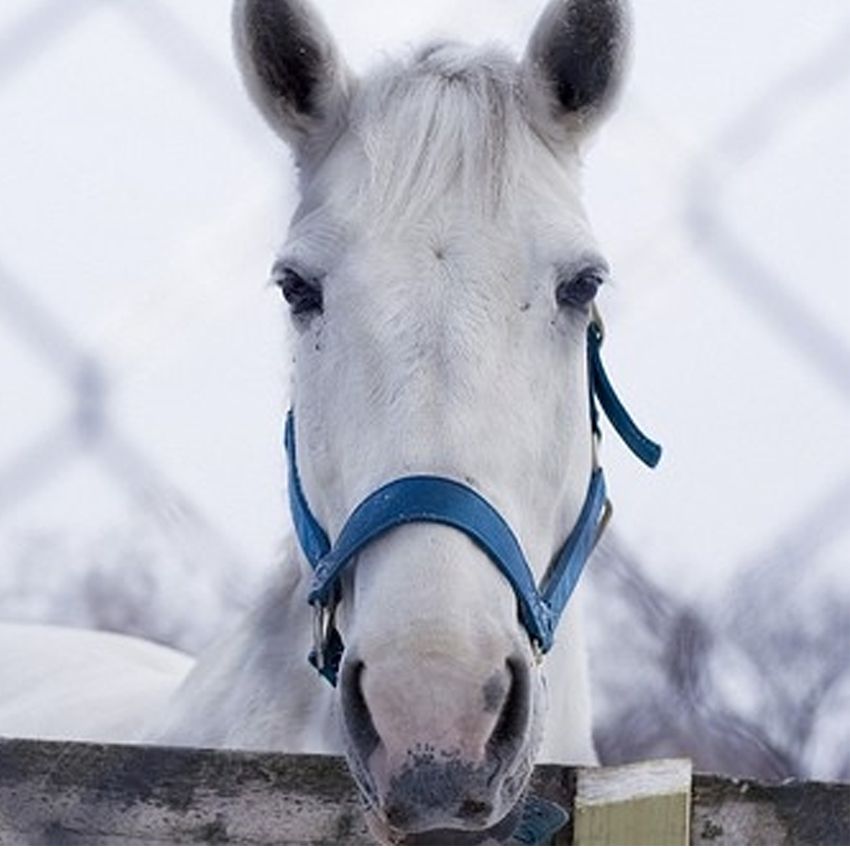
444,304
449,253
446,241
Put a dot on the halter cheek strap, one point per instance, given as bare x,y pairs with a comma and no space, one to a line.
432,499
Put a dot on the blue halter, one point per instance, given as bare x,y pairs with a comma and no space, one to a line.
432,499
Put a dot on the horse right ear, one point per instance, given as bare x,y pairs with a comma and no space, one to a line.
292,70
575,64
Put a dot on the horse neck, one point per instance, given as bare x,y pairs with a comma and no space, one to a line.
253,688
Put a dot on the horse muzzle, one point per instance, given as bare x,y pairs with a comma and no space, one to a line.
451,765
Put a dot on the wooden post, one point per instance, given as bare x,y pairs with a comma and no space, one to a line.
638,804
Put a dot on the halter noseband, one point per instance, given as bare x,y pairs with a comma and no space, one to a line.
433,499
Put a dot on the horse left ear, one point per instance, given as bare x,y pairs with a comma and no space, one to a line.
575,64
292,70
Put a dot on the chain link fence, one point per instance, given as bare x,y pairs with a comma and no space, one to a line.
83,445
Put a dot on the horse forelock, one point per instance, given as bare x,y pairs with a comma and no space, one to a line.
446,122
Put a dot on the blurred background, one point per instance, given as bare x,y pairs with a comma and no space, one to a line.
144,362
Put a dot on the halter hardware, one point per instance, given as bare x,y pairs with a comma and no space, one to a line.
432,499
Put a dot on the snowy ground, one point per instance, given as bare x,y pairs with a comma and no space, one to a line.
143,364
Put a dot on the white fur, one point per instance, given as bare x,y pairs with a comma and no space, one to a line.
73,684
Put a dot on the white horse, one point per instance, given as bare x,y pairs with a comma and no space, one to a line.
441,274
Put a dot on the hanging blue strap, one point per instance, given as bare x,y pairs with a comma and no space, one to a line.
600,388
539,822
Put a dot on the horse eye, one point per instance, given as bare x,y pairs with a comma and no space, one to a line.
303,295
580,290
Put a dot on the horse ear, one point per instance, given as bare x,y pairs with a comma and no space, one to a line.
575,63
291,68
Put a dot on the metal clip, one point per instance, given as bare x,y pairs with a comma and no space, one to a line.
605,519
596,319
322,623
537,652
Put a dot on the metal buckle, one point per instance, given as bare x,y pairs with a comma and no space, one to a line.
323,619
537,652
607,513
596,319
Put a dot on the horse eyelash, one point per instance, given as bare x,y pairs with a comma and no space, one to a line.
303,293
578,290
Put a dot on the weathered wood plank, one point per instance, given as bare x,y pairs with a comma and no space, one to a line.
69,793
735,811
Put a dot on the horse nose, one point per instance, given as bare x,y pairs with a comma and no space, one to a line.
434,748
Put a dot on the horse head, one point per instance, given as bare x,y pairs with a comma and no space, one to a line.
441,273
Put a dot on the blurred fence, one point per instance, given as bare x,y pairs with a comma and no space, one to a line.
162,549
665,697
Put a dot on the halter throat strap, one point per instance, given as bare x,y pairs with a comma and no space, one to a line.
433,499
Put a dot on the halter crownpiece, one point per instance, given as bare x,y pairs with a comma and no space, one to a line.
433,499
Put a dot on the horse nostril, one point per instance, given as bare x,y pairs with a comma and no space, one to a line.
355,711
398,815
475,810
512,724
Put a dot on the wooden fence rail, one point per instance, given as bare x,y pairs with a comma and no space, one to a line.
72,793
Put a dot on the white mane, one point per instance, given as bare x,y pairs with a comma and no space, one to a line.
457,113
